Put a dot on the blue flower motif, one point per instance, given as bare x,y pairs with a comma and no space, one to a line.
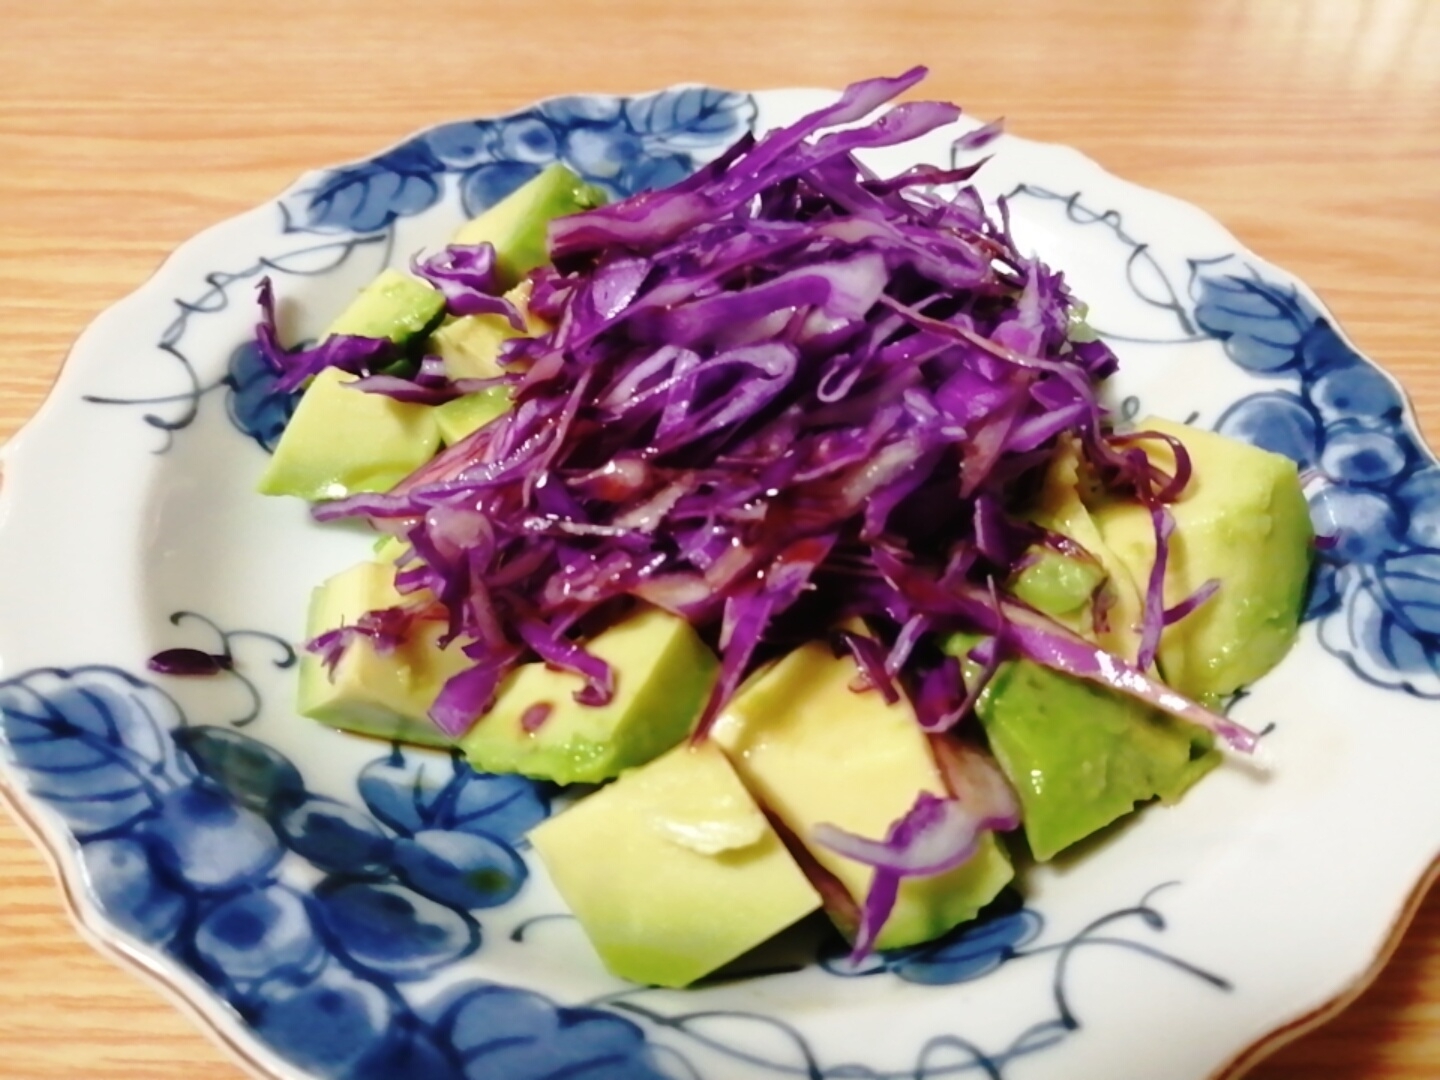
1374,490
183,833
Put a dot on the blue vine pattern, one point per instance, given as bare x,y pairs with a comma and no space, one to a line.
192,661
252,405
1373,486
185,831
622,144
1006,935
189,834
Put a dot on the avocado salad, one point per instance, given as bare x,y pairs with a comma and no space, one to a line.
777,513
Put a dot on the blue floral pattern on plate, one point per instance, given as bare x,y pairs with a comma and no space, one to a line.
1374,489
183,832
360,930
622,144
1373,486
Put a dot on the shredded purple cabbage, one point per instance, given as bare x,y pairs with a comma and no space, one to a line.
934,836
779,395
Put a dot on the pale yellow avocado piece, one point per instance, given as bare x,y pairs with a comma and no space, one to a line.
813,751
386,696
1243,520
342,441
1060,507
672,870
516,226
1058,584
663,673
470,345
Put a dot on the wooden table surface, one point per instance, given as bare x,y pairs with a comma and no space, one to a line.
1311,129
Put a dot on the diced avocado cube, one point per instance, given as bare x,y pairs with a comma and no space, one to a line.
461,416
672,870
516,225
663,674
395,306
470,345
342,441
1242,520
812,750
1080,756
387,695
1057,584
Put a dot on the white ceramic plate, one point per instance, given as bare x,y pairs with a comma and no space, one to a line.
336,909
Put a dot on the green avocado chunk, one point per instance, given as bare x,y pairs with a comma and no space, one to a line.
812,751
672,870
1060,508
663,673
342,441
460,416
1080,756
395,306
1057,584
1243,521
516,225
387,696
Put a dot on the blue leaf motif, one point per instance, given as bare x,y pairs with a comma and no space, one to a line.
498,1031
1376,644
94,743
1373,488
254,405
1322,349
694,117
371,196
1411,583
1260,324
412,792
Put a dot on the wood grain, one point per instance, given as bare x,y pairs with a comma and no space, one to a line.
1311,129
